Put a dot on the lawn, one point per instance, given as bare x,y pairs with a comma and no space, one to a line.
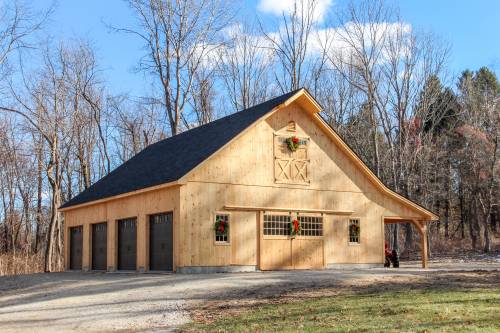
403,310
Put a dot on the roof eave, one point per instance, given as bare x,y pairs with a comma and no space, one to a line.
427,215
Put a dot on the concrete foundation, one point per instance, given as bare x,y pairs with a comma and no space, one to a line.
216,269
353,266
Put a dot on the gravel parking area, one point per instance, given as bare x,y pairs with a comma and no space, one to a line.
113,302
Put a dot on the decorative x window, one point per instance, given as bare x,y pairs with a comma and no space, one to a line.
300,170
283,169
291,167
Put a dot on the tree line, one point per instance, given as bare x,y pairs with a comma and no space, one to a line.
384,86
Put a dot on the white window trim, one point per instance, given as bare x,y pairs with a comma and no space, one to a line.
229,219
358,243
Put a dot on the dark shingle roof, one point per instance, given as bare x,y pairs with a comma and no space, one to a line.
170,159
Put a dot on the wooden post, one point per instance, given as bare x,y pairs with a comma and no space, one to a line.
423,240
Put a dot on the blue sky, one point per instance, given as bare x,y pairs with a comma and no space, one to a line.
471,27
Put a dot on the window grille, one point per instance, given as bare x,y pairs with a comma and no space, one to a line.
218,237
311,225
160,218
354,231
277,225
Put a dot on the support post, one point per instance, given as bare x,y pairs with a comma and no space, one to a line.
422,230
423,240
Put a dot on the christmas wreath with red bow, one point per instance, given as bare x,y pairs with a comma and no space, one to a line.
221,227
354,230
292,143
295,228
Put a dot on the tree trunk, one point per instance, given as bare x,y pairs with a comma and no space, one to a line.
395,231
446,218
438,223
463,214
408,238
472,233
486,233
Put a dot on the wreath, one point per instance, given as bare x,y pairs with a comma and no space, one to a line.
292,143
354,229
221,227
295,228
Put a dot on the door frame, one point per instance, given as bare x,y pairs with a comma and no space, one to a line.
71,246
292,214
91,240
148,240
117,241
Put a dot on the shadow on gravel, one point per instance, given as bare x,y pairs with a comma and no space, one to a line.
30,289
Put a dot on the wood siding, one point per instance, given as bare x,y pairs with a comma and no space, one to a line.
140,206
244,174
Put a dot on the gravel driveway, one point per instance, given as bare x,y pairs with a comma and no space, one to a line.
112,302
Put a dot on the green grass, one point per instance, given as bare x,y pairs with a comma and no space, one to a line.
428,310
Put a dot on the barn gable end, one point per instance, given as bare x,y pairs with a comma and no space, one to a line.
240,179
240,169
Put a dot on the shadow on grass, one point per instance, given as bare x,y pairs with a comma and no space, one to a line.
403,298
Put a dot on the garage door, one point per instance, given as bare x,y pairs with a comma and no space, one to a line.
99,246
278,250
127,244
161,246
75,244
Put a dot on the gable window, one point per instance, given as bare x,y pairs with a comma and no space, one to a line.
311,225
277,225
354,231
221,228
291,127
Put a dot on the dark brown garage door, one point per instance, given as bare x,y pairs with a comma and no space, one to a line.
75,244
99,246
161,242
127,241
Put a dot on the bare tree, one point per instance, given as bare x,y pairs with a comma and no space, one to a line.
49,110
292,46
202,98
178,37
244,64
137,125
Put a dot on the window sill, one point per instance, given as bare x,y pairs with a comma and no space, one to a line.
268,237
275,237
353,244
222,243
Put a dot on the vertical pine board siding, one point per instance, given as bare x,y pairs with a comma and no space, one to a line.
242,174
140,205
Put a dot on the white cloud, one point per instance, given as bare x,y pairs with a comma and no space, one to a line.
277,7
336,40
340,43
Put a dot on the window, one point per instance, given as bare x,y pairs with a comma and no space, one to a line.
277,225
311,225
354,229
291,127
221,228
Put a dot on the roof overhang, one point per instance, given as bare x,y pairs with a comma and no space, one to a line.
305,100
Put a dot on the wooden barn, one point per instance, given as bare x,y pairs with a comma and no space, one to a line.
271,187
